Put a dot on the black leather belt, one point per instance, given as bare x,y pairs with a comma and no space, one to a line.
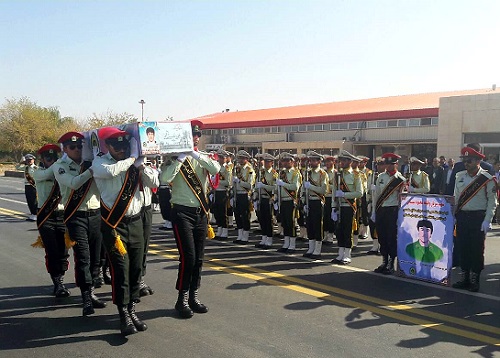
131,219
189,209
87,214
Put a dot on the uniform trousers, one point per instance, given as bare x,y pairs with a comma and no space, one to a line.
386,223
365,216
287,214
344,227
31,200
147,224
220,208
126,270
190,230
242,212
56,254
328,223
164,196
266,217
470,240
85,229
315,220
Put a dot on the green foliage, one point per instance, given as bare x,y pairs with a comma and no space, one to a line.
109,119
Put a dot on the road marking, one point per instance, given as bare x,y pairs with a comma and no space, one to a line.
13,201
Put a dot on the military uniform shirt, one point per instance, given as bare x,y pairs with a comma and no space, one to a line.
270,175
45,179
247,179
422,180
153,181
382,181
225,178
31,170
331,181
353,181
67,174
294,181
320,177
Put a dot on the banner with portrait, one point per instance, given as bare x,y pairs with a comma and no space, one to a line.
425,237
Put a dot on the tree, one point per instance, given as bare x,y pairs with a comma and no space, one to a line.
109,119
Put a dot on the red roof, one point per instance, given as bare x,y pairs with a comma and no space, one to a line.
395,107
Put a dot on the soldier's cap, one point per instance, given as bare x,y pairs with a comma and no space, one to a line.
300,156
29,157
329,157
70,137
416,160
243,154
267,157
344,154
467,152
196,127
379,160
314,155
113,135
49,149
390,158
222,153
363,158
357,159
286,156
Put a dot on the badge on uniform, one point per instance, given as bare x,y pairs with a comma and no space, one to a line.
61,171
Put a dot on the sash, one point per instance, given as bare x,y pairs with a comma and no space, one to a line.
320,196
388,190
113,216
28,177
239,175
77,195
194,183
471,190
345,188
291,193
49,206
264,181
414,183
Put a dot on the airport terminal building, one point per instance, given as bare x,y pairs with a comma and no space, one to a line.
422,125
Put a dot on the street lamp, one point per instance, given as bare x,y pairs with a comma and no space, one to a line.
142,109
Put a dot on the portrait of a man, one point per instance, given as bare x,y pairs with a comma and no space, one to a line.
423,249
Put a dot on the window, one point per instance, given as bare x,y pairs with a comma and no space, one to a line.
302,128
393,123
353,125
225,131
318,127
381,124
371,124
286,129
334,126
275,129
425,121
435,121
342,125
243,131
295,129
414,122
402,123
267,129
260,130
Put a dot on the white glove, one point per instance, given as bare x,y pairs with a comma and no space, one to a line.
211,197
372,218
334,216
307,184
182,157
231,202
339,194
134,149
259,185
139,161
275,206
256,205
87,154
280,182
373,188
486,226
411,189
236,180
195,154
306,209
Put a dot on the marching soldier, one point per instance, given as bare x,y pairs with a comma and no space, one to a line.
28,165
347,189
418,180
358,215
389,185
328,223
265,188
243,182
190,178
81,200
288,185
315,187
475,198
50,219
301,163
364,216
378,167
230,209
221,195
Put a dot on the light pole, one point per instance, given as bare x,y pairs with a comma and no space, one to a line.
142,109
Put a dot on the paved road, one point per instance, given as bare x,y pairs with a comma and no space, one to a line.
262,304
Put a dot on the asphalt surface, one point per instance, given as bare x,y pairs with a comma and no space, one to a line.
262,304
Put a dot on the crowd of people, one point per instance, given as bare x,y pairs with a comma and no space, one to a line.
101,207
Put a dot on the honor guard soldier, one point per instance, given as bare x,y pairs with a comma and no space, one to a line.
475,203
28,165
389,185
418,180
346,190
287,186
81,200
378,167
315,187
328,223
50,219
357,217
301,163
222,196
190,178
243,182
265,186
364,216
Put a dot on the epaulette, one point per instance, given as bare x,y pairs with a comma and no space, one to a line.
424,174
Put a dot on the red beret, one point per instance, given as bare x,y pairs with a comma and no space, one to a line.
70,137
470,152
196,126
390,158
49,148
113,133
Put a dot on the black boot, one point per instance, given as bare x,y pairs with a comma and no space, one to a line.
383,266
474,282
182,305
145,290
126,325
141,326
389,269
464,283
96,302
59,289
106,275
195,303
88,308
99,281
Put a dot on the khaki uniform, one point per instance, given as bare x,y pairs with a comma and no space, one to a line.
246,176
422,180
316,201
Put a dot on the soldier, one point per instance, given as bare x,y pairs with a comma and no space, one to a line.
190,178
301,163
475,198
328,223
418,180
230,210
288,185
81,200
27,164
50,219
389,185
364,217
243,182
357,217
347,188
265,188
221,196
379,167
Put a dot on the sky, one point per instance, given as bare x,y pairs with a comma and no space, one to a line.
191,58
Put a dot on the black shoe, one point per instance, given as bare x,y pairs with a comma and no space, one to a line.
266,247
139,325
195,304
60,291
145,290
237,241
88,308
464,283
290,251
106,276
381,268
96,302
335,261
259,245
315,257
372,252
182,305
354,248
282,249
307,254
126,325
